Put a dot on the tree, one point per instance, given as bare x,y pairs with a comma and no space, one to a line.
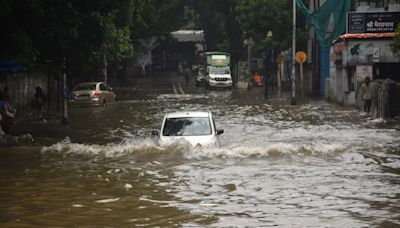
88,33
81,31
218,20
395,45
257,17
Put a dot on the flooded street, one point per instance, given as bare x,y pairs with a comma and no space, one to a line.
316,164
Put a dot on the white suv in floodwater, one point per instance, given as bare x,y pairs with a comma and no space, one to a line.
197,128
219,77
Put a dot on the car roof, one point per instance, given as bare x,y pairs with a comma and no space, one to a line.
187,114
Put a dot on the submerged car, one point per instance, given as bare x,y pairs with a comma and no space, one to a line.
92,94
197,128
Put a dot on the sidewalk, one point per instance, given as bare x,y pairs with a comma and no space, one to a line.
26,129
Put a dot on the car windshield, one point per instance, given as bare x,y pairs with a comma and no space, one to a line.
219,70
81,87
187,126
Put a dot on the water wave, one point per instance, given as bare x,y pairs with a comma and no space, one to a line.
149,145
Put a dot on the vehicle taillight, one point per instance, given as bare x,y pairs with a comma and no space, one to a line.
96,94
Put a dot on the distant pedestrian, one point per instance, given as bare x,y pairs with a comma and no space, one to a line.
40,100
6,94
143,69
7,115
366,94
180,68
187,74
265,79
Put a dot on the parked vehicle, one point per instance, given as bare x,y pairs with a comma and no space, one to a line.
218,72
197,128
92,94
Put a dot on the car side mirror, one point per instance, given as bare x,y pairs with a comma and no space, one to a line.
155,133
220,131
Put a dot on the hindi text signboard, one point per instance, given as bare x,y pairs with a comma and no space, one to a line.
372,22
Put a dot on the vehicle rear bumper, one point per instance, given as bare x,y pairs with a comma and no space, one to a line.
78,103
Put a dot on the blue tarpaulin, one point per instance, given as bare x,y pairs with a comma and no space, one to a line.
10,67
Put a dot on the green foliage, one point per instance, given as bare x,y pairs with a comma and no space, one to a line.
116,43
395,45
257,17
83,32
88,32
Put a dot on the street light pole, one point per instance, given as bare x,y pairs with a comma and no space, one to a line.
249,58
105,70
249,43
48,62
65,93
293,101
269,63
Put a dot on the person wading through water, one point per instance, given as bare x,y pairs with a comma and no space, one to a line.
39,101
366,94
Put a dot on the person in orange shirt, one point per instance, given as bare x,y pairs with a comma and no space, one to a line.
257,79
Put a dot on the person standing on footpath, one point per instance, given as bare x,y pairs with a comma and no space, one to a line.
6,94
39,101
366,94
7,115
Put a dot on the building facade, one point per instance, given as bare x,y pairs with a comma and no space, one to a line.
364,51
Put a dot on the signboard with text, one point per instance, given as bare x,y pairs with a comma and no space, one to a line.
372,22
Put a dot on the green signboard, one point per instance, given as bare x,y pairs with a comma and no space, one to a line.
218,59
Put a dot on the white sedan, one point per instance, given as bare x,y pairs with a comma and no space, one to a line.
92,94
197,128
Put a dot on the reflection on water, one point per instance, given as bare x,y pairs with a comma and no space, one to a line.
309,165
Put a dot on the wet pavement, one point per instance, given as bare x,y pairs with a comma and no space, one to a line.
316,164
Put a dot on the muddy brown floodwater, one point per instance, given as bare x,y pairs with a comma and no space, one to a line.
315,164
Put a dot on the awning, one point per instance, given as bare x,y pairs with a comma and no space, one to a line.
189,35
10,67
365,36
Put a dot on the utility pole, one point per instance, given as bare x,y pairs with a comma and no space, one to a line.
48,62
269,67
293,101
249,57
105,70
65,90
249,42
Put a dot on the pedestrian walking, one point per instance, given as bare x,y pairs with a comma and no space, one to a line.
180,68
265,79
187,74
7,115
143,69
40,100
366,94
6,94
